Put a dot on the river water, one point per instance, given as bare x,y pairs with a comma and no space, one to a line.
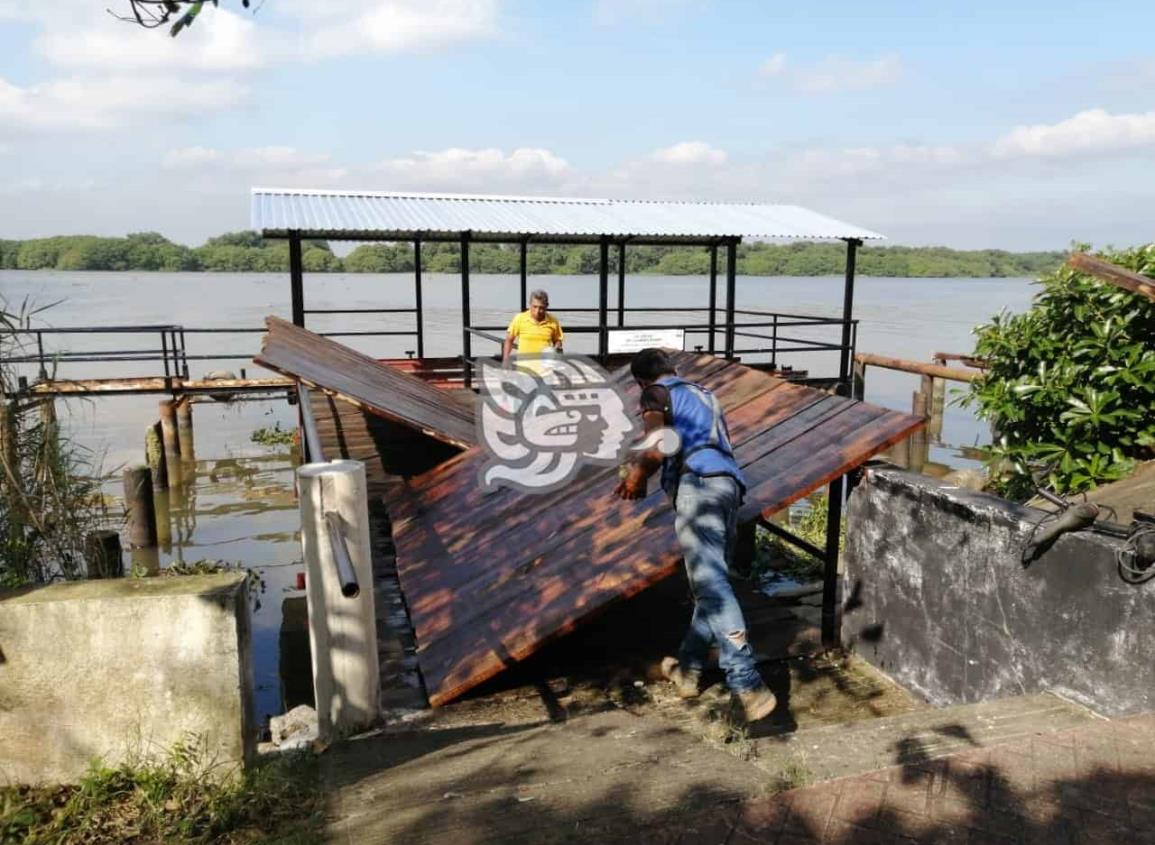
241,507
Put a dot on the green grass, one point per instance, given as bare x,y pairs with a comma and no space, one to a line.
274,437
773,553
181,799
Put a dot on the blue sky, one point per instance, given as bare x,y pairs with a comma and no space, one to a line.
975,124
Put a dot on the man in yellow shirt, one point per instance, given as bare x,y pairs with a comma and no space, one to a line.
534,330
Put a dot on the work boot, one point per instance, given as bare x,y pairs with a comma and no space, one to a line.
757,704
684,680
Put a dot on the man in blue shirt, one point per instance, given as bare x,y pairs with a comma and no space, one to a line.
706,486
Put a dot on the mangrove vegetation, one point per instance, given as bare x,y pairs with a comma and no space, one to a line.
248,252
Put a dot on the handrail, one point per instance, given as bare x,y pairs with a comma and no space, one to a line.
346,574
313,448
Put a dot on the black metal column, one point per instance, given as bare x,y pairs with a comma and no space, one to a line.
466,316
417,298
296,279
848,311
831,584
621,284
713,293
603,298
524,276
731,285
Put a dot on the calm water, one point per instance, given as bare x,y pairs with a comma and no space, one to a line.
242,508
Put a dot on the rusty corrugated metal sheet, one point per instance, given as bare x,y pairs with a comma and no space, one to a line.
365,382
334,214
490,577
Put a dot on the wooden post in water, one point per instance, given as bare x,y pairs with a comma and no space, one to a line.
141,525
154,456
937,406
102,554
171,441
184,430
918,443
858,381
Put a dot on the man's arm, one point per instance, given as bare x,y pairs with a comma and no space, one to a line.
507,348
559,339
643,465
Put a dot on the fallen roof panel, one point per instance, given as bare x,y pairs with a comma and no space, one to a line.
489,577
367,383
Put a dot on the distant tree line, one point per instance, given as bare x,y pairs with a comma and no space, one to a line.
248,252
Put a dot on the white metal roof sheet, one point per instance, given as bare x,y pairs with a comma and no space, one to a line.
336,214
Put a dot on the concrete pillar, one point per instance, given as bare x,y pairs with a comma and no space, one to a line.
342,631
154,455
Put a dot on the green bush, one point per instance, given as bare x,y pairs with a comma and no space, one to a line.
1070,388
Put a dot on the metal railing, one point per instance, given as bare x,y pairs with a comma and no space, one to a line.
779,329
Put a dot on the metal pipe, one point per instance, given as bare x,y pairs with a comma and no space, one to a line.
296,278
731,285
417,298
621,284
792,538
603,297
346,575
831,600
524,264
466,340
313,450
713,293
847,309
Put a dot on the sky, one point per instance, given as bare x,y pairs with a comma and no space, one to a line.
1023,125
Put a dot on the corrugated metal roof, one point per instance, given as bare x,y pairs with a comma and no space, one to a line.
353,214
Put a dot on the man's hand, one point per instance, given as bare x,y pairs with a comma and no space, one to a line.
633,485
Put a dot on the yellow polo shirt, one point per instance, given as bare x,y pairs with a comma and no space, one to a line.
533,337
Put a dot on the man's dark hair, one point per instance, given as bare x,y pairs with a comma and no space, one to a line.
651,364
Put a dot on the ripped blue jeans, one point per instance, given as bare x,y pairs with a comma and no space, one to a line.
706,520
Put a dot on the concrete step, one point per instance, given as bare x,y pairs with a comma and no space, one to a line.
832,751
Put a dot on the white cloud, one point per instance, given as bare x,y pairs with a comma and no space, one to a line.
219,41
485,168
615,12
690,153
287,165
343,28
774,66
1091,131
106,102
834,74
191,157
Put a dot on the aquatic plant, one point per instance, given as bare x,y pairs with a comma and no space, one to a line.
1070,384
50,496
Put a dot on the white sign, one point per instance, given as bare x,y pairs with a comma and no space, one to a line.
635,340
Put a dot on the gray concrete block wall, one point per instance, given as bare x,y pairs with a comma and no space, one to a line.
939,599
121,670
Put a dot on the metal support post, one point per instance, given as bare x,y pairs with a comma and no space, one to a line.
831,582
417,298
731,285
466,317
524,303
603,298
621,284
844,374
713,294
296,278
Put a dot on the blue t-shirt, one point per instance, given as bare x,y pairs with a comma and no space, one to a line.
694,413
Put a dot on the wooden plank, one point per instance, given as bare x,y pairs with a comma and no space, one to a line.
936,370
489,579
364,382
1113,274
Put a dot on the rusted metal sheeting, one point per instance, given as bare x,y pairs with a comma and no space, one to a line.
365,382
490,577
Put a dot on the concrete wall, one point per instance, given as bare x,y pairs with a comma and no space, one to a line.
945,606
119,669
